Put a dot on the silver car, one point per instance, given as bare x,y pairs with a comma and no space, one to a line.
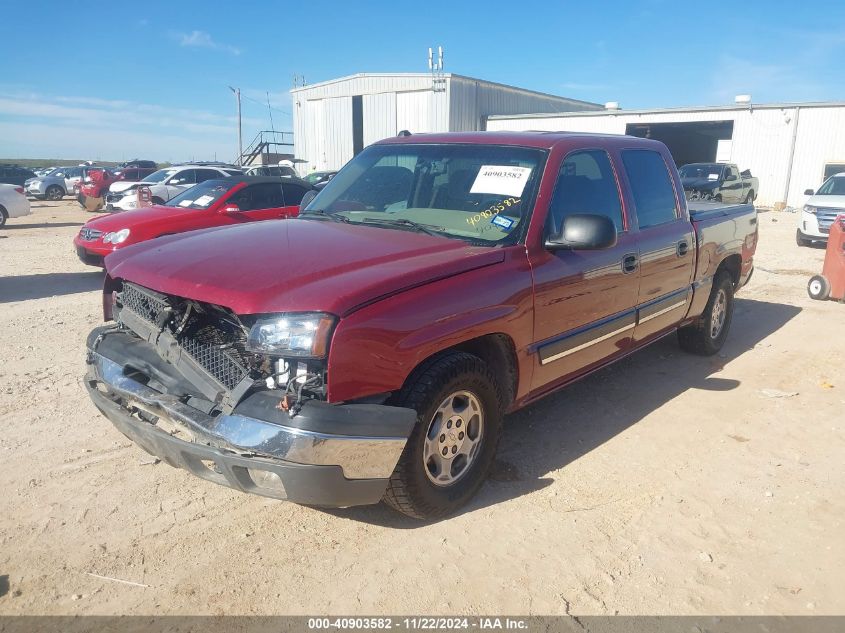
56,184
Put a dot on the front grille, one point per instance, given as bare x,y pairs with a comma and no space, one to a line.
204,347
145,303
89,235
220,353
826,216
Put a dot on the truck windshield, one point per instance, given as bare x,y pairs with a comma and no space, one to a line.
479,193
833,186
701,170
203,195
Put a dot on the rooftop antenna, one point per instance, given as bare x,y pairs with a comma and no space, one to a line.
438,79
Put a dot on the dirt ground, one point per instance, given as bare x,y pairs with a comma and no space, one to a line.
667,484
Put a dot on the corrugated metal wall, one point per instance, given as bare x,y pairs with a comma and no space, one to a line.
761,140
400,102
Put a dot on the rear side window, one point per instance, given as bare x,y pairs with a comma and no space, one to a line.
651,187
293,194
586,184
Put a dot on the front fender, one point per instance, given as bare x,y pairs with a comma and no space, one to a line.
376,348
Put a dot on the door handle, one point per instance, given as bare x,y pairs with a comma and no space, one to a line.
683,248
630,262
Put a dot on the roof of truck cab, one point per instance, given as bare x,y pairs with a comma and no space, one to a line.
542,140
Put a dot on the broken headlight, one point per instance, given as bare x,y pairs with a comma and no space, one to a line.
299,335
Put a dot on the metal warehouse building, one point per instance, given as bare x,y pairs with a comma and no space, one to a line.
789,147
336,119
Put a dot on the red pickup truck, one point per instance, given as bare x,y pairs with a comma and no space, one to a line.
369,348
219,202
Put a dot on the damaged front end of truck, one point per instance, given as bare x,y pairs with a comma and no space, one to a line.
239,400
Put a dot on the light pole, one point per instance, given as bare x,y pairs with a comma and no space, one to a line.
237,92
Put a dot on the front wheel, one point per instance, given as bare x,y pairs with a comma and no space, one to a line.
818,288
749,199
450,450
3,216
54,193
800,239
707,335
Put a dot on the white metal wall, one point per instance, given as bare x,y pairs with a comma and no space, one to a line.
323,133
762,138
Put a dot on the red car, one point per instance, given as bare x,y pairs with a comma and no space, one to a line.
210,204
91,195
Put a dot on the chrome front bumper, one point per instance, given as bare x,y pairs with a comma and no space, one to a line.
319,457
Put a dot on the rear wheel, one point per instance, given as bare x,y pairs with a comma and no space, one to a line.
707,335
801,240
157,200
454,441
4,215
54,193
818,288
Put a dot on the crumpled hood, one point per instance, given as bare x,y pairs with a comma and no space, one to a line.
295,265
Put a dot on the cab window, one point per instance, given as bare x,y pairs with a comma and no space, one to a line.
586,184
651,187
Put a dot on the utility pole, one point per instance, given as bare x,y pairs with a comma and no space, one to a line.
237,92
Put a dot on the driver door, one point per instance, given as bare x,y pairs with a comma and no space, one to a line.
585,301
263,201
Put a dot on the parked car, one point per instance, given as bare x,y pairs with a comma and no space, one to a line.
13,202
820,210
320,177
720,182
56,184
216,202
15,175
369,348
163,184
282,171
135,162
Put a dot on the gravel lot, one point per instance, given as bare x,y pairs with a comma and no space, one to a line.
667,484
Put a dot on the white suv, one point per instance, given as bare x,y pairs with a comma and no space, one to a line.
163,184
821,210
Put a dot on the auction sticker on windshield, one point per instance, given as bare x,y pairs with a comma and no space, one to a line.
505,180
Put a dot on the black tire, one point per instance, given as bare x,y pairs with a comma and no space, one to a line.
818,288
157,200
54,193
4,215
800,239
698,338
410,490
749,199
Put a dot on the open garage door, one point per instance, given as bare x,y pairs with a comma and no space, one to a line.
689,142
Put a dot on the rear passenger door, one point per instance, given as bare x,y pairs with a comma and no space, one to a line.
666,242
585,301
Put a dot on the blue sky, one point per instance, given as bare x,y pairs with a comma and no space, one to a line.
117,80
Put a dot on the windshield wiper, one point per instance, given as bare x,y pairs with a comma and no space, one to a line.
320,214
428,229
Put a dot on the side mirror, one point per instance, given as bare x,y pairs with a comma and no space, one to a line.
809,192
584,231
306,200
230,208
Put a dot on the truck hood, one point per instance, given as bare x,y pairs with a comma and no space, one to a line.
295,265
829,202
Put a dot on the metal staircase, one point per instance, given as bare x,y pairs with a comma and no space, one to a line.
266,144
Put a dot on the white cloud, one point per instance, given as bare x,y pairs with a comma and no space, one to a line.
201,39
